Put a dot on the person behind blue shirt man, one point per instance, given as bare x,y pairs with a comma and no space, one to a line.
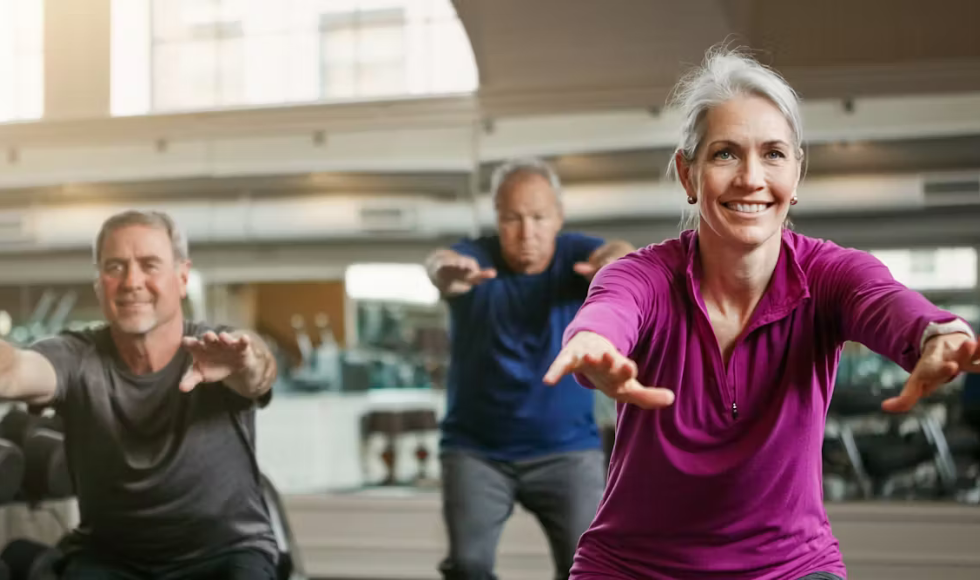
506,436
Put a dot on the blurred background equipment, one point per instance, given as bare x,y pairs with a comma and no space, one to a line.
46,474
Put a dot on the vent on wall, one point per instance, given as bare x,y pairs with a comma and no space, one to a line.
952,189
380,218
14,227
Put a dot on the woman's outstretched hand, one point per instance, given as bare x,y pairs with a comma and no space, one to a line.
608,370
943,357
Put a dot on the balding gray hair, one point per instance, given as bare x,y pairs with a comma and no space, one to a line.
152,219
523,166
724,75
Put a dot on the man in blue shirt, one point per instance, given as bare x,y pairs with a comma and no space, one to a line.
507,437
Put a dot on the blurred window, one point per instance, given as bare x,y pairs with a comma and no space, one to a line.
932,268
21,60
180,55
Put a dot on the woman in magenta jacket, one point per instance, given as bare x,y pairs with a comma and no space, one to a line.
721,349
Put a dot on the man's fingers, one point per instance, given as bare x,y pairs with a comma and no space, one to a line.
244,342
191,379
462,264
585,268
478,276
237,343
647,397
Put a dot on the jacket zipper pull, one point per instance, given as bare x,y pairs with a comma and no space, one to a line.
734,411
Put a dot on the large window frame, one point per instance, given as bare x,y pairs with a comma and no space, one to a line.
21,60
193,55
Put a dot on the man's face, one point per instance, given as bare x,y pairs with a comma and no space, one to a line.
529,217
140,284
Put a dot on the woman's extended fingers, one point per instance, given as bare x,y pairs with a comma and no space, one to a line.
966,357
613,366
645,397
565,363
599,362
611,373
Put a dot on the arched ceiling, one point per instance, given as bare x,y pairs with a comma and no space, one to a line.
551,55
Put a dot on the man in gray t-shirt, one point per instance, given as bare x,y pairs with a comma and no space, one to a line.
159,418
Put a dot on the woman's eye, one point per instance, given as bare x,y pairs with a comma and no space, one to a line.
723,155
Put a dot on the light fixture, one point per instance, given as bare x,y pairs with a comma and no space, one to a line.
400,283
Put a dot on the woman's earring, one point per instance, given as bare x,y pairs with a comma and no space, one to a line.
692,200
793,200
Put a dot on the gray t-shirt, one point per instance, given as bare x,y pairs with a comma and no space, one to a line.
161,476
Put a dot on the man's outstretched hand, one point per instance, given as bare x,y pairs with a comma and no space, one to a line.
216,357
604,254
455,274
608,370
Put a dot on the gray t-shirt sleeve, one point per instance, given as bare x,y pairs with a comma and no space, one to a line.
65,353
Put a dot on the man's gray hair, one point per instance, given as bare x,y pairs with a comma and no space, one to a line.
727,74
523,166
153,219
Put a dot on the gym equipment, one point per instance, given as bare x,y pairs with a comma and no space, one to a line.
290,566
46,474
303,340
320,367
39,325
57,320
392,425
879,461
11,471
30,560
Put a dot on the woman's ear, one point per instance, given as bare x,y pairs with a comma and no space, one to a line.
685,175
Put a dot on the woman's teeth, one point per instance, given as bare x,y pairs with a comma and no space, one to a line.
747,207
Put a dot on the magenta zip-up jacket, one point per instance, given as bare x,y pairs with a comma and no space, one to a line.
727,482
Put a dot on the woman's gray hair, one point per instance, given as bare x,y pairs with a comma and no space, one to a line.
153,219
724,75
523,166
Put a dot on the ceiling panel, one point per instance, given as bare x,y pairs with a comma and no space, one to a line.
551,55
434,184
